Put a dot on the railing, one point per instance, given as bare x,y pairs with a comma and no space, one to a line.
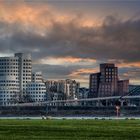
77,100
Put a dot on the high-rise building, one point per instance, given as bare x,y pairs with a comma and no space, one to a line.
94,84
106,82
16,77
24,71
9,80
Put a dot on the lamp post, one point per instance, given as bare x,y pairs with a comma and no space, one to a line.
118,110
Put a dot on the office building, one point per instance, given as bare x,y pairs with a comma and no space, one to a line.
94,84
9,80
106,82
69,88
24,71
15,73
36,89
123,87
15,76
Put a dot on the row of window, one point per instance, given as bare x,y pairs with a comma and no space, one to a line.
8,64
26,82
38,75
110,69
36,85
40,78
27,64
27,67
13,70
14,60
28,71
10,59
7,88
8,81
1,84
27,75
8,67
38,96
8,103
36,88
9,74
27,60
39,99
9,71
7,96
27,78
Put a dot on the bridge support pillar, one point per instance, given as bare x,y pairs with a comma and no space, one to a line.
106,102
98,103
121,103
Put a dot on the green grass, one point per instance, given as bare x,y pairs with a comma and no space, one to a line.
69,130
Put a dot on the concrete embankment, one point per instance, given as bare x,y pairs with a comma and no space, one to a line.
67,111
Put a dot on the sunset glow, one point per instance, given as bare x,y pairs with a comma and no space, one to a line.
73,45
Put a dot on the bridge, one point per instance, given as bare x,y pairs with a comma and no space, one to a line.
67,102
134,94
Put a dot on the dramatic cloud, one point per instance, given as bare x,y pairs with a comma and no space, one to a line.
69,46
55,72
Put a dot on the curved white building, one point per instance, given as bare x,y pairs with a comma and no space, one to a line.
9,80
17,82
25,71
36,90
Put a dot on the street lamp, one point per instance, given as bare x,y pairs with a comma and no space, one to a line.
118,110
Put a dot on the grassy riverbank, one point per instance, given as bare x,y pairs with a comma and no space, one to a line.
69,129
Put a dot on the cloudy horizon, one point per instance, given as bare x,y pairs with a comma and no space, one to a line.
69,39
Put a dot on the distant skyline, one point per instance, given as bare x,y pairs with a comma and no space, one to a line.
69,39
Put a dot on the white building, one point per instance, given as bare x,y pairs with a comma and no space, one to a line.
36,89
37,77
71,89
24,71
36,92
16,78
9,80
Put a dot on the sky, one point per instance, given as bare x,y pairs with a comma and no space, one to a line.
70,38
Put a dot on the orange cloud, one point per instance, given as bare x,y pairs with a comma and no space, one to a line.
132,64
64,60
122,64
82,75
80,72
38,15
24,14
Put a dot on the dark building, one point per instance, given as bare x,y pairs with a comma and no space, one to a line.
133,87
123,87
94,84
108,80
106,83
